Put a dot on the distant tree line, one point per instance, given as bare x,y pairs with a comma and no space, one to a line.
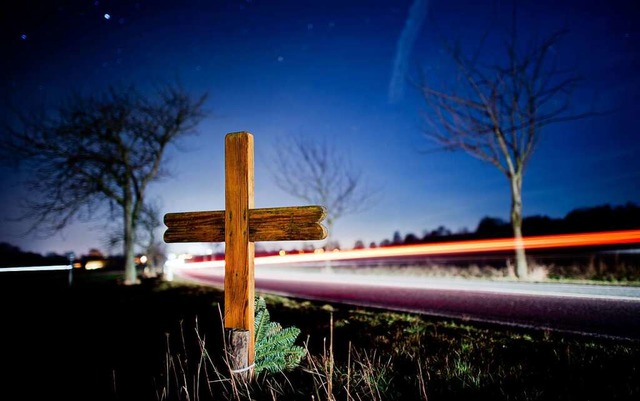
13,256
590,219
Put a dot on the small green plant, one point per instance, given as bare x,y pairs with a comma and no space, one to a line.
275,346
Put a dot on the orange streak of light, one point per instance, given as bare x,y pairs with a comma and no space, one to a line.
458,247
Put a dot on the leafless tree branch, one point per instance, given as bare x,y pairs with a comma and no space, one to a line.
314,171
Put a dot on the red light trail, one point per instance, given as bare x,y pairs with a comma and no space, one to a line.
457,247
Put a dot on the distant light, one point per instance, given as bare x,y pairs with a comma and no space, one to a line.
282,252
107,16
94,264
280,58
23,36
143,259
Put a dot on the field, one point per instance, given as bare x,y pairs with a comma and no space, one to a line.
99,340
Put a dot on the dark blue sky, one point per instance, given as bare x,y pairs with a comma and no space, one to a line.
335,69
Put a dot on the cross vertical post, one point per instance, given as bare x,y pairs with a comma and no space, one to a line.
239,250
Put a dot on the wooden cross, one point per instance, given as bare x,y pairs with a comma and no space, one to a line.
239,226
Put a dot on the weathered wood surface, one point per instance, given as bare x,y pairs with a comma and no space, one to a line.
238,353
240,226
239,277
297,223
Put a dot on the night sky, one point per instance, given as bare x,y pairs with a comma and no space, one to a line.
339,70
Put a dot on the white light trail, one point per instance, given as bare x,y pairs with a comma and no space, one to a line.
34,268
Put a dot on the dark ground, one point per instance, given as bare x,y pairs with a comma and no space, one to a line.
94,340
100,340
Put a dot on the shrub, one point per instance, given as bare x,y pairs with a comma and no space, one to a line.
275,346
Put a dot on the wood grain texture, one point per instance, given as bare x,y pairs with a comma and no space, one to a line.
296,223
239,278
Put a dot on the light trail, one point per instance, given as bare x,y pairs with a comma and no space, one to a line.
34,268
449,248
461,247
316,277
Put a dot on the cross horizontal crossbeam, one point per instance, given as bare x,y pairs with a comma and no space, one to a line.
266,224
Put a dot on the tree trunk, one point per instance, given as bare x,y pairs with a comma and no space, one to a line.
329,246
130,272
328,241
522,269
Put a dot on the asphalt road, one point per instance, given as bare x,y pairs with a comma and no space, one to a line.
609,311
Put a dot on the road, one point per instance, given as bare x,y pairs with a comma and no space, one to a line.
603,311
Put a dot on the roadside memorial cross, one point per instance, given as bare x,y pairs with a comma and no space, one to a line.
240,225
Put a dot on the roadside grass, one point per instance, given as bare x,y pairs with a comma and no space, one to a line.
164,341
367,354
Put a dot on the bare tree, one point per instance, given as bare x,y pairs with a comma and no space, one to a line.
316,172
146,239
154,248
94,156
496,112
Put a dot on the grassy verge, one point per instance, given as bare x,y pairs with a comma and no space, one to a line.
163,341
